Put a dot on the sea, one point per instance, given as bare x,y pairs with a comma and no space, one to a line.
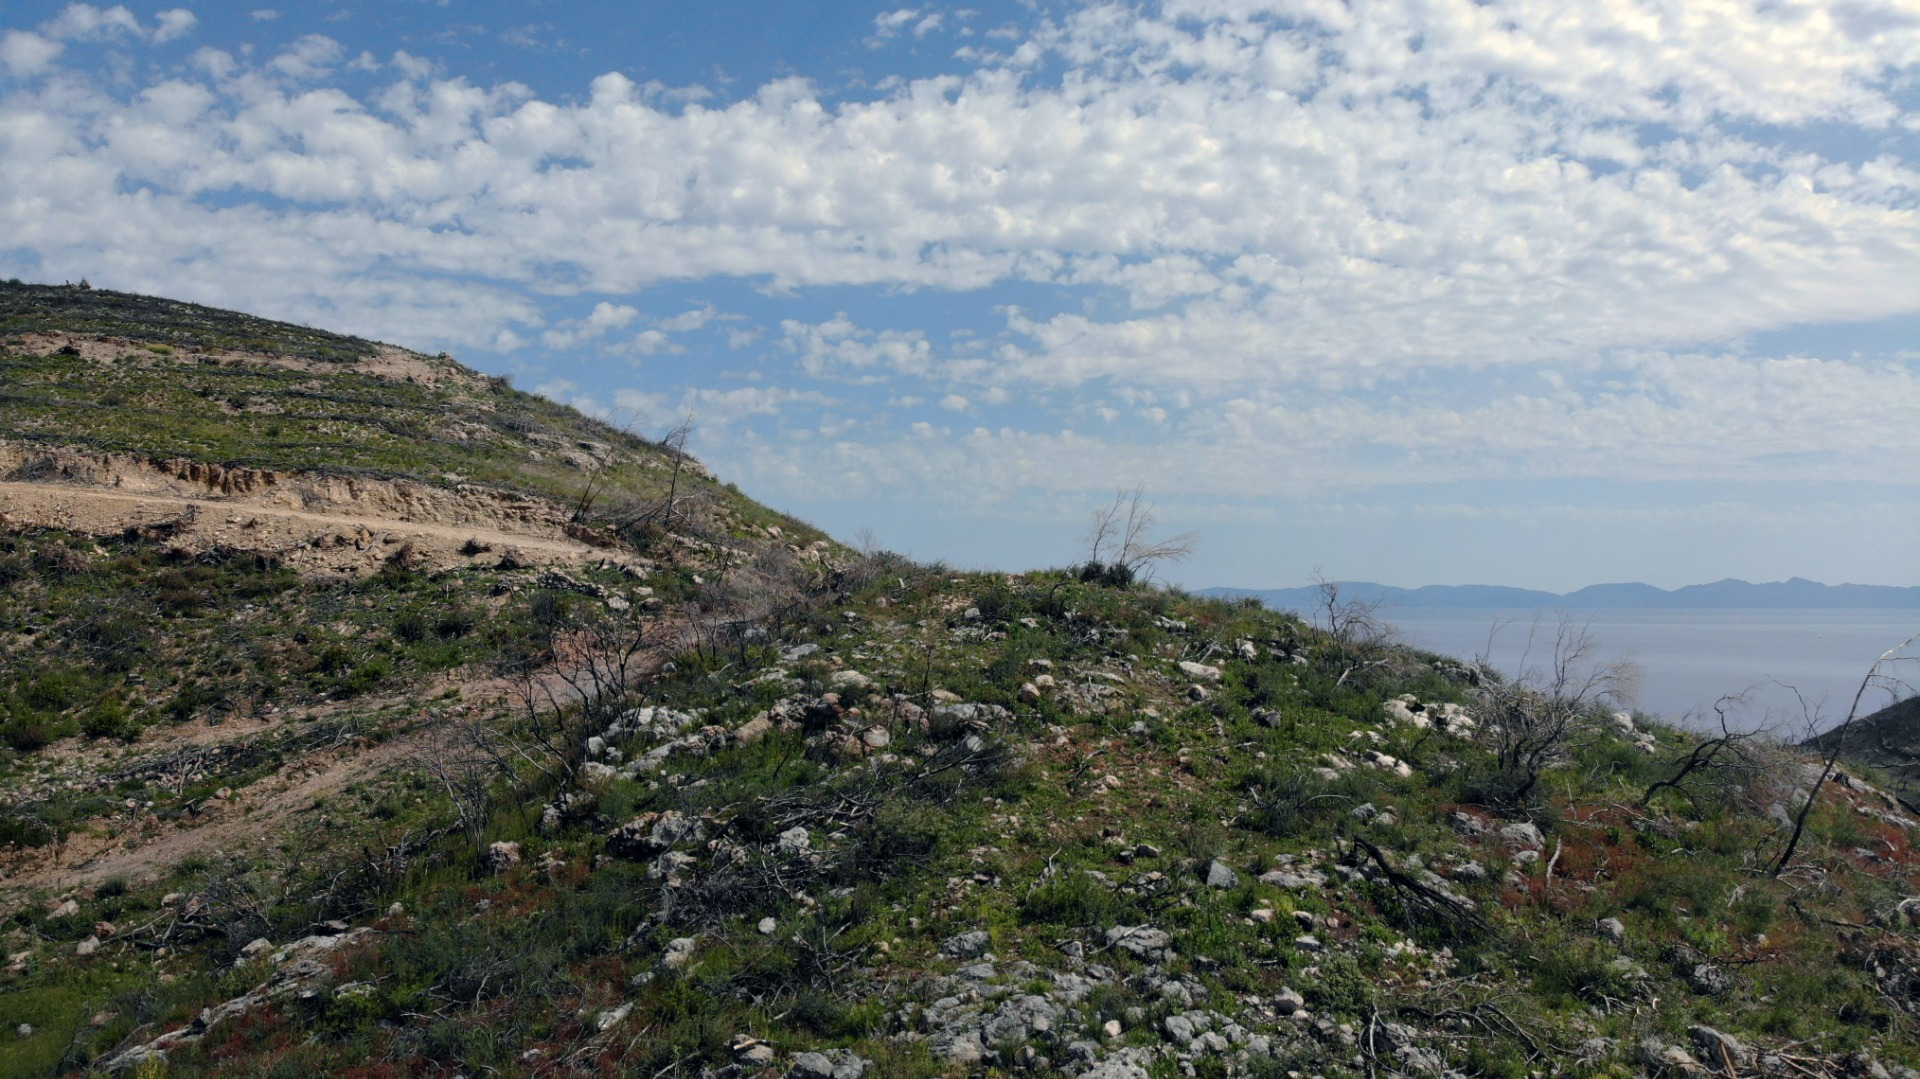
1689,659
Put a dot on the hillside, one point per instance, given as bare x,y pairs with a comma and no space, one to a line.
364,716
1888,739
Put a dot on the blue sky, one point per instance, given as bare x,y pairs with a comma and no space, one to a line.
1417,291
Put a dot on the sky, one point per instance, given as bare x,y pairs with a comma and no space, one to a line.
1414,291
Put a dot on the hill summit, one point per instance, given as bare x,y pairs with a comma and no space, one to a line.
365,716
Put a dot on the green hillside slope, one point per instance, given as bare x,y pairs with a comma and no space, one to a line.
726,800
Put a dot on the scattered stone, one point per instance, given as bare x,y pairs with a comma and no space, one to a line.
1522,834
1111,1028
1710,980
1179,1029
87,946
768,925
1612,928
64,910
1723,1051
1466,823
1125,1064
678,954
1289,1001
1594,1050
837,1064
255,948
1389,763
24,1030
964,946
1469,872
1627,968
1141,940
612,1017
849,680
503,856
1307,942
1219,876
1294,878
1199,671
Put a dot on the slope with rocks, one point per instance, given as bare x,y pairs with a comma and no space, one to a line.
242,556
788,811
1888,739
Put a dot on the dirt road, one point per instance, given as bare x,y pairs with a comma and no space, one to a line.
313,542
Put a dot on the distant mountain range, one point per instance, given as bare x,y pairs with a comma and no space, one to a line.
1796,593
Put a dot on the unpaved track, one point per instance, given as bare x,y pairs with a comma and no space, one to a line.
252,819
314,542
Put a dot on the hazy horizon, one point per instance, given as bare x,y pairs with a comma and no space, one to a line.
1396,290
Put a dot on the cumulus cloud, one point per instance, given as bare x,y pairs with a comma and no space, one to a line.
26,53
603,319
1250,225
173,23
837,348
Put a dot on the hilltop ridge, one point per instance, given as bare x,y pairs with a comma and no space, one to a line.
693,790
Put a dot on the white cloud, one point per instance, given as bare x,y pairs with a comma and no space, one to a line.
602,320
84,21
1289,222
713,408
889,24
652,343
173,23
310,57
688,321
838,348
26,53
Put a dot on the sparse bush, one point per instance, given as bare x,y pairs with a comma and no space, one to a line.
1073,899
1528,721
110,718
1121,548
27,733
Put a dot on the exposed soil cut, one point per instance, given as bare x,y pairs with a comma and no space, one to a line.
318,524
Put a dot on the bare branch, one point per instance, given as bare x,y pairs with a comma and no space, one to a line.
1120,545
1878,676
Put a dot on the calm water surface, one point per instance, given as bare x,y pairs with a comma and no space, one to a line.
1688,658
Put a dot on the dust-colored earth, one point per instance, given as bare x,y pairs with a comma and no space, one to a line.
318,524
386,361
137,846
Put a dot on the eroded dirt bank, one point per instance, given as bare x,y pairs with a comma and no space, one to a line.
317,523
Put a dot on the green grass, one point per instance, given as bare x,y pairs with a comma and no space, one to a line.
1011,826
